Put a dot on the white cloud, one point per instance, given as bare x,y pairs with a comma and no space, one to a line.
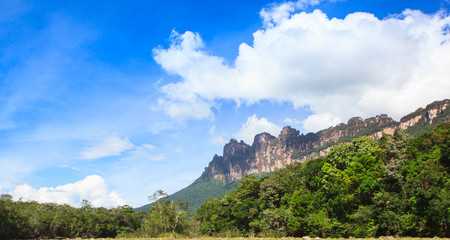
148,146
218,140
292,121
212,130
144,152
93,188
317,122
108,146
340,68
254,126
278,12
204,76
178,150
16,167
157,157
182,109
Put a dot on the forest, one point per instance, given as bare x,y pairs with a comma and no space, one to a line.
397,186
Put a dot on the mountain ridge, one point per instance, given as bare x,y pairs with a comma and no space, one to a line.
269,153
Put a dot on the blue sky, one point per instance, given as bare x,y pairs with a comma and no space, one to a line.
110,101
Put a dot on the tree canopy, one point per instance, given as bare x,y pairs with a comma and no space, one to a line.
398,185
364,188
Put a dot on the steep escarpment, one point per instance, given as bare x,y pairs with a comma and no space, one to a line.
232,165
423,119
269,153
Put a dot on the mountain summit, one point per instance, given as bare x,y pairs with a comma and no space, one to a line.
269,153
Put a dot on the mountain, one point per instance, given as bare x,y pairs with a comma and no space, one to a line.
269,153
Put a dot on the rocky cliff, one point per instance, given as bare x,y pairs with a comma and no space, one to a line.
269,153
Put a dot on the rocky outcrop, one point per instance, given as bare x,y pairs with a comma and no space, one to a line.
269,153
434,113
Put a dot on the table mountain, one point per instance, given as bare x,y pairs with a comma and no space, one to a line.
269,153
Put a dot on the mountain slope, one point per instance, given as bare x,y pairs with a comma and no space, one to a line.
269,153
198,192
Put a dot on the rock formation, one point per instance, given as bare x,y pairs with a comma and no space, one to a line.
269,153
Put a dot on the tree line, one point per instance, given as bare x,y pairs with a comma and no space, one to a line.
365,188
32,220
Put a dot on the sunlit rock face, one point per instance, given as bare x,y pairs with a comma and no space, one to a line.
269,153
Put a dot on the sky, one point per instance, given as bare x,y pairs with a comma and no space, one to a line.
110,101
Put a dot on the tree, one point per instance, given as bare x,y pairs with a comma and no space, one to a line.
166,216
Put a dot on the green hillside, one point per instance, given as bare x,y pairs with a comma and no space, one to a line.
204,188
397,186
197,193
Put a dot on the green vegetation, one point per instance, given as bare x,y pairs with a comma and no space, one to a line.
264,238
31,220
372,128
397,186
26,220
197,193
313,150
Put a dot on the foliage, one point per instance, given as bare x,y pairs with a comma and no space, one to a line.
28,220
197,193
397,186
31,220
166,216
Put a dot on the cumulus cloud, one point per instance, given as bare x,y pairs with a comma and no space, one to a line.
183,57
255,125
278,12
317,122
93,188
108,146
340,68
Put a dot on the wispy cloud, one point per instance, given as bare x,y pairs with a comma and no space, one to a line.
292,121
218,140
41,65
108,146
178,150
17,167
340,68
148,146
145,151
11,10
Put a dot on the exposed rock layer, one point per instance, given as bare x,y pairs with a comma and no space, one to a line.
269,153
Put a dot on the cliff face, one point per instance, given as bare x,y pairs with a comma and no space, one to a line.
269,153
